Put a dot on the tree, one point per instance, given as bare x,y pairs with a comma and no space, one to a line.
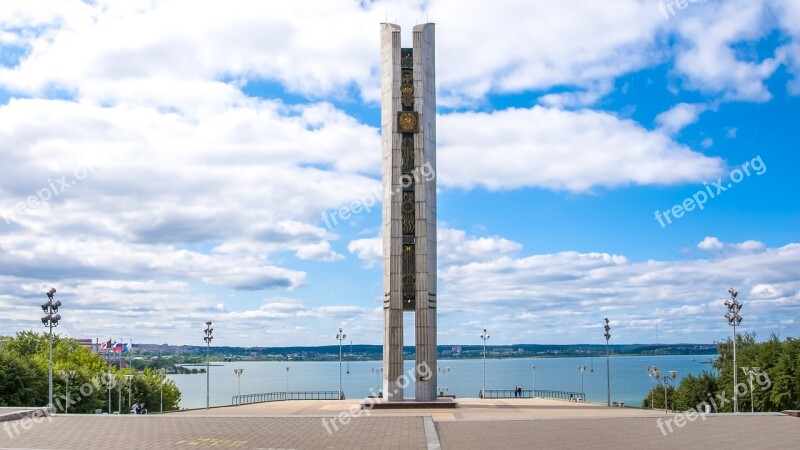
695,390
21,383
657,394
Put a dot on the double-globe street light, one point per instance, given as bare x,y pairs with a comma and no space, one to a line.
340,337
67,374
533,380
484,337
607,335
666,379
208,337
734,319
582,369
751,372
238,373
651,373
443,371
50,319
377,371
128,381
163,378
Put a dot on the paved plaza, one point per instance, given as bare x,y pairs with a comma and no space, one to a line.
476,424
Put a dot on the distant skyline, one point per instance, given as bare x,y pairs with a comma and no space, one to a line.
167,163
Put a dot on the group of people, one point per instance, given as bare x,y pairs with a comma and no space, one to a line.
138,408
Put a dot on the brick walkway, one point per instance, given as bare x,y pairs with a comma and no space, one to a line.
717,432
178,432
476,425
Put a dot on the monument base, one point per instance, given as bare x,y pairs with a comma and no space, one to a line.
439,403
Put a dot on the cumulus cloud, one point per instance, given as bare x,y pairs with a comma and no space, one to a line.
562,150
715,246
707,57
681,115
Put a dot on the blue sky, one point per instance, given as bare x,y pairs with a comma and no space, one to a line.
167,163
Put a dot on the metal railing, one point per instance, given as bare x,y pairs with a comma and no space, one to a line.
528,393
282,396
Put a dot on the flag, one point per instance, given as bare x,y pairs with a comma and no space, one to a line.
105,345
120,348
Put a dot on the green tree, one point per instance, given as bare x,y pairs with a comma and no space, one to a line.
21,383
694,390
657,394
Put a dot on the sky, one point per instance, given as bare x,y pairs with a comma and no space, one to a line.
167,163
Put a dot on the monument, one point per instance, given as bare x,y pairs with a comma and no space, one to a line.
408,136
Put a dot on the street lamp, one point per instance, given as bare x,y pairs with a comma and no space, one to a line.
651,373
607,335
751,373
443,371
208,337
377,371
128,379
110,387
340,337
67,374
50,319
582,369
533,380
287,380
734,319
665,379
238,373
484,337
163,376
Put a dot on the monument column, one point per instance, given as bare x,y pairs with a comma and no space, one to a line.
408,136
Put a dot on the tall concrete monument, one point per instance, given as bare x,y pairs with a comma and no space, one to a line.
408,135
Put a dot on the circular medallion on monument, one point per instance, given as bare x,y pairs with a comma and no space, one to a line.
407,121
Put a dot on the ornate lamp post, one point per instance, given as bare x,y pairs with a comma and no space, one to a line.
287,379
238,373
128,380
651,373
665,379
163,376
533,380
340,337
734,319
484,337
582,369
443,371
607,335
67,374
208,337
377,371
751,373
110,387
50,319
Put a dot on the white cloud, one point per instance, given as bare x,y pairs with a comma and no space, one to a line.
714,245
321,251
706,56
368,249
561,150
453,247
681,115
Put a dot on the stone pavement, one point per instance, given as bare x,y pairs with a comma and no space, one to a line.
722,431
476,424
103,432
